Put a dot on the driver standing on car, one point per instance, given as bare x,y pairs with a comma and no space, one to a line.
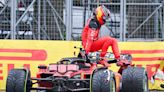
90,36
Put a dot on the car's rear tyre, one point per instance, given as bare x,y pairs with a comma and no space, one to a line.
134,79
103,81
18,80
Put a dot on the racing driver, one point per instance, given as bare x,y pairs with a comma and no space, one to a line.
90,36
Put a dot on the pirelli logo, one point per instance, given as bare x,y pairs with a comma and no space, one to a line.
23,54
41,55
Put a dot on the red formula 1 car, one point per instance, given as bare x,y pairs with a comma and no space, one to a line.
80,74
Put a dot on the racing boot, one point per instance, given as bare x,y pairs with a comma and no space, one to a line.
122,62
104,62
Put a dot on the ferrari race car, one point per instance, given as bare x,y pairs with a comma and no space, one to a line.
80,74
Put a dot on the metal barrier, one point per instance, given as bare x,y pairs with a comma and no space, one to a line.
131,20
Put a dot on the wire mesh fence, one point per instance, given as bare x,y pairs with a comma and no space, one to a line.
61,20
132,20
144,19
32,19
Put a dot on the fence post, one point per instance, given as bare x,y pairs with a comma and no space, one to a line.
39,11
122,20
156,22
69,4
13,19
163,22
124,31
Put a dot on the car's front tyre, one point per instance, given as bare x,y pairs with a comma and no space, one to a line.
18,80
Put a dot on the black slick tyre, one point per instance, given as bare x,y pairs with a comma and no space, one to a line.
134,79
103,81
18,81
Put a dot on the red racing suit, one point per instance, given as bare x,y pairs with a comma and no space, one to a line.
91,41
